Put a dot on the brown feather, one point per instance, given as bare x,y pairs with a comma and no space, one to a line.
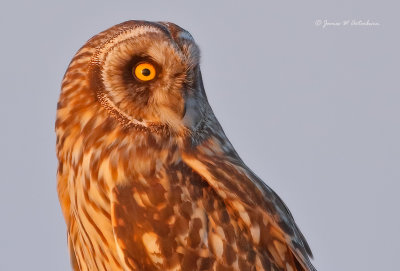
147,180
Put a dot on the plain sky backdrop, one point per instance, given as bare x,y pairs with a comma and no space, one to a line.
314,111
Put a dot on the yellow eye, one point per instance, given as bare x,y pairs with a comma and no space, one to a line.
144,71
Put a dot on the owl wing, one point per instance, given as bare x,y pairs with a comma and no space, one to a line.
256,205
160,222
209,212
178,222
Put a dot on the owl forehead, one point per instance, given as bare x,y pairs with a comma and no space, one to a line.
167,48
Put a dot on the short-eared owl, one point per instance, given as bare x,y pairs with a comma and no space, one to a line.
147,179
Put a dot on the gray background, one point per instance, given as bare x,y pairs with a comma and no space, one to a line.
314,112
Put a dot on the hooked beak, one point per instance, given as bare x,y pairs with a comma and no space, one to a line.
192,115
196,104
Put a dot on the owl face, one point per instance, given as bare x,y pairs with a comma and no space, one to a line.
148,74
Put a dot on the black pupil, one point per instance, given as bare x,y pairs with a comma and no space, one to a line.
146,72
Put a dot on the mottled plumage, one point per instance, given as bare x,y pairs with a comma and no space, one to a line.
147,179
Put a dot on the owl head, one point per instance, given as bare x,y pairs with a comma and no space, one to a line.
145,75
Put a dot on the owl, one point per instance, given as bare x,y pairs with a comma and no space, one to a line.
147,179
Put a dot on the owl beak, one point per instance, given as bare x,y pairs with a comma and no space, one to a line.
192,113
196,104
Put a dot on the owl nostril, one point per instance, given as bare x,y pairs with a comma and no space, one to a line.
184,111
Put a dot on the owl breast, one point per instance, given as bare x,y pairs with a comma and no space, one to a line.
161,216
86,181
